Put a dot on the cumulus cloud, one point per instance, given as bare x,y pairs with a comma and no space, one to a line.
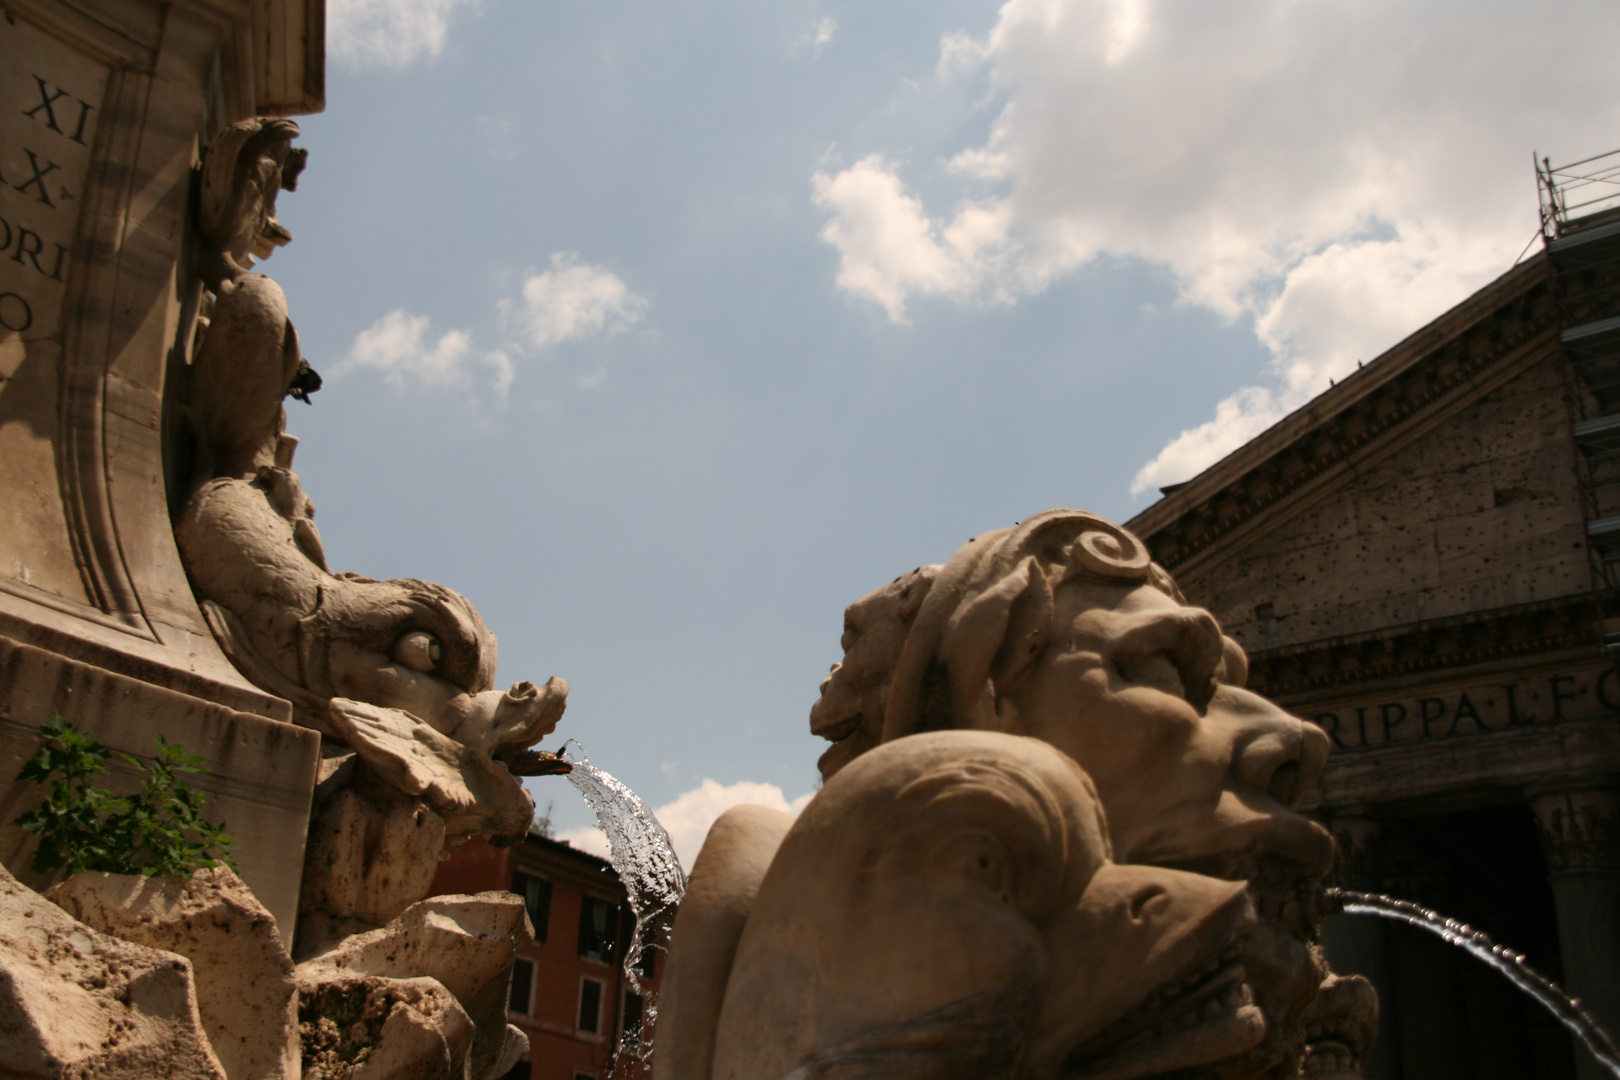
387,33
398,346
574,299
1332,174
571,300
688,817
888,246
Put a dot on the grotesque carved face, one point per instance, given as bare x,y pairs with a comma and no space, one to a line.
1195,772
855,694
1063,630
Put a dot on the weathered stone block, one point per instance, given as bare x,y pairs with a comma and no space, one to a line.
76,1002
245,990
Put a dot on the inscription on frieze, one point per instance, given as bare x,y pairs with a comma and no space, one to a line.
1500,705
50,106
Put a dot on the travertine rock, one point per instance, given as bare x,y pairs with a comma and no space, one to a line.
1063,629
374,855
366,1027
243,975
465,943
77,1003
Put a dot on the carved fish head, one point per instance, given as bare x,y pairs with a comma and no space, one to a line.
959,875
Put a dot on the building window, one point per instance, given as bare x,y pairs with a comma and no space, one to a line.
630,1022
584,1076
598,920
536,893
590,1006
520,1071
519,999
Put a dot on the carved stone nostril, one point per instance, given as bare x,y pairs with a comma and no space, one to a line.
1143,898
522,692
1285,784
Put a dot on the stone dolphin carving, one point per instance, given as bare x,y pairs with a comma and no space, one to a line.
420,750
947,907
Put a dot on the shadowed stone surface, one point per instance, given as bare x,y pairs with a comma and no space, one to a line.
245,991
76,1002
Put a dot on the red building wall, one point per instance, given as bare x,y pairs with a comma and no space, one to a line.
560,1048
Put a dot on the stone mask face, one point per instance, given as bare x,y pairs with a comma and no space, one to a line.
1063,630
1195,772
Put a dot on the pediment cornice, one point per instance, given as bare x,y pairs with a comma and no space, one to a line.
1405,391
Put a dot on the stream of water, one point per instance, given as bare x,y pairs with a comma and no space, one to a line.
1511,964
645,861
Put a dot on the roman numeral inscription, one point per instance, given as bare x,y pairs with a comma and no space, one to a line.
37,181
49,116
47,101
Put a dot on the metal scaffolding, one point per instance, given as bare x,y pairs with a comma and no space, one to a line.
1580,228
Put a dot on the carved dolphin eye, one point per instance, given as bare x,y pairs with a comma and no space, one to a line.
977,856
419,651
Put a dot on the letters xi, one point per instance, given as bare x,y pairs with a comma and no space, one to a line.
56,107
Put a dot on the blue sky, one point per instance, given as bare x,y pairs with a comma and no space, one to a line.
663,331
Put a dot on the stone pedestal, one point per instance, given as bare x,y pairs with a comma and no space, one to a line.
1579,823
106,107
1355,944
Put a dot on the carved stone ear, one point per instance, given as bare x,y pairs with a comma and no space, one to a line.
993,640
1029,626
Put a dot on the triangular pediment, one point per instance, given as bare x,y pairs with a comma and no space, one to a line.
1433,483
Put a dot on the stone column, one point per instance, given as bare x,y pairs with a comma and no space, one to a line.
1579,823
1354,944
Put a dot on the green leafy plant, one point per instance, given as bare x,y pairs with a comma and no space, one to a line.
156,831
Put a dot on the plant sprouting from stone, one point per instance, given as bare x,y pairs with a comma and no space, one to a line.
157,831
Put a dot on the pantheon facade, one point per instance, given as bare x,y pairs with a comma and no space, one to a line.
1419,561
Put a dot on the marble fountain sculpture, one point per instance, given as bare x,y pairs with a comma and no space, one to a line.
419,750
1057,838
113,976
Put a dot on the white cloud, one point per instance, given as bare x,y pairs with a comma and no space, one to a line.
574,299
890,249
960,52
688,817
387,33
814,40
397,345
587,838
1332,174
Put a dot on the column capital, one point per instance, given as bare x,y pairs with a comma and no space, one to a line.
1578,820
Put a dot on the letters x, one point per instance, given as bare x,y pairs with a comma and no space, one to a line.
47,102
39,178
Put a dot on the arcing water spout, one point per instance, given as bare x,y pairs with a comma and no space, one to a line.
643,857
1511,964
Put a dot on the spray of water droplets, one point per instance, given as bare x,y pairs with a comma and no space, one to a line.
1511,964
645,861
